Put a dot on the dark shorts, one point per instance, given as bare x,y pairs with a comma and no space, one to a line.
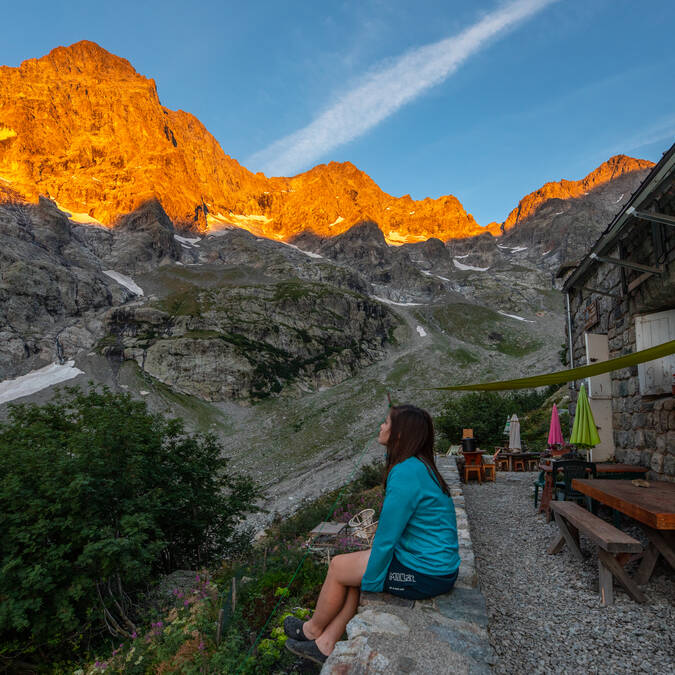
407,583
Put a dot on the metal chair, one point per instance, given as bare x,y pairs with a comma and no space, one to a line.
571,469
540,483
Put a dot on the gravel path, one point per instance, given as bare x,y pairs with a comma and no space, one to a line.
544,610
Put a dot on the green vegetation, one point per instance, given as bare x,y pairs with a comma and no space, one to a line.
481,326
512,346
463,356
183,637
486,413
189,301
98,498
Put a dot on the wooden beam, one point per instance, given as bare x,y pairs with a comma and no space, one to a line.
570,535
626,263
663,545
653,217
556,545
612,564
638,281
599,292
647,565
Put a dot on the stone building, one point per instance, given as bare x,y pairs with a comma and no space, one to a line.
621,299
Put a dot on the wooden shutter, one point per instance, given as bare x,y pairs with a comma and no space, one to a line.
656,377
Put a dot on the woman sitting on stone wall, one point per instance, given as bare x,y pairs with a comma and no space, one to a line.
415,549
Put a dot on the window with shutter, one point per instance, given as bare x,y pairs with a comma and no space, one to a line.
656,377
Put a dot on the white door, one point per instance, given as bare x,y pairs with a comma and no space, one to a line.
600,396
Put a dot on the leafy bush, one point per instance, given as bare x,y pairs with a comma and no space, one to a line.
486,412
98,497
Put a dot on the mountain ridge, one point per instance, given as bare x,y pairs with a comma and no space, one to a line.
82,126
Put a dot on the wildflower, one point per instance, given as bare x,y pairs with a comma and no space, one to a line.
134,635
201,646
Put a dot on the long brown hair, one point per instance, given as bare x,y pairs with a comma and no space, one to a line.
412,435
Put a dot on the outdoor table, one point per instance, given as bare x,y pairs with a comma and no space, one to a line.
653,507
608,469
519,455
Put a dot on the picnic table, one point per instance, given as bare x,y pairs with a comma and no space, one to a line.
653,507
608,469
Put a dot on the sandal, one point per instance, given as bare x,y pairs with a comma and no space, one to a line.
306,649
293,629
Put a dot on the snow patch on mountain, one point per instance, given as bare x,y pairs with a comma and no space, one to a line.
514,316
124,280
187,240
462,266
36,380
398,304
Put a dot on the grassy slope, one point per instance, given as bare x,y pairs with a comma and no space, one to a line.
300,444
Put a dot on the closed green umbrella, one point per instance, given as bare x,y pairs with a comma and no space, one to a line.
584,431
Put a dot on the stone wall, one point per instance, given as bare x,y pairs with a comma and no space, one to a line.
445,634
643,427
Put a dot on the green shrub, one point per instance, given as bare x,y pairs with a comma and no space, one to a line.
98,497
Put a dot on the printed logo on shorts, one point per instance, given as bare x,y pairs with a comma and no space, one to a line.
400,576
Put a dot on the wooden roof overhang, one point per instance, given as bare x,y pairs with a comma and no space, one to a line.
658,184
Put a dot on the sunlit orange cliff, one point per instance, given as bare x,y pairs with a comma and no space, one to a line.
81,126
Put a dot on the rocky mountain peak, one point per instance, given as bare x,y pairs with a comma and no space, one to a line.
615,166
84,57
81,126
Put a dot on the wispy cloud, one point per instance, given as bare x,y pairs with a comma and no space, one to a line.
661,131
386,89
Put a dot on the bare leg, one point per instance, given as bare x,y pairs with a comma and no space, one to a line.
344,571
336,628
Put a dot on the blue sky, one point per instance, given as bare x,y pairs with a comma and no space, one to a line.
483,99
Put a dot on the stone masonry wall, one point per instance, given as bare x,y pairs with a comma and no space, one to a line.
445,634
644,427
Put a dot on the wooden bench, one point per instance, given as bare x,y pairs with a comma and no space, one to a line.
615,548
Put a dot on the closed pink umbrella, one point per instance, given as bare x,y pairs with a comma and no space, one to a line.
555,436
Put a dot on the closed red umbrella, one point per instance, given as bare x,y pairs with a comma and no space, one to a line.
555,436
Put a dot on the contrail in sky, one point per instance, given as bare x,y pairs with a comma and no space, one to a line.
384,91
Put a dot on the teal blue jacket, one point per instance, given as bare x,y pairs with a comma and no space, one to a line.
417,524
